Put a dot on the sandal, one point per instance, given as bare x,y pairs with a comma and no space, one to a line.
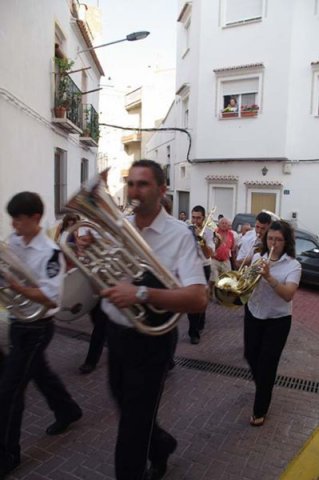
257,421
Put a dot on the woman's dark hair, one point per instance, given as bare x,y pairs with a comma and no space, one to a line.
69,217
156,168
25,203
288,234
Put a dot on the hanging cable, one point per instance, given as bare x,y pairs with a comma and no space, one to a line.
171,129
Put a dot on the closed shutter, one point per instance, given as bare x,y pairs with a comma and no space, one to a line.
236,87
240,10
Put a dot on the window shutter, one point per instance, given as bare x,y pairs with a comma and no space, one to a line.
237,11
236,87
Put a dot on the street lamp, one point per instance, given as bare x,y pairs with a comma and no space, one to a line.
131,37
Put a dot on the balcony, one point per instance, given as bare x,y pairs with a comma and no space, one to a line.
133,138
133,99
90,126
67,113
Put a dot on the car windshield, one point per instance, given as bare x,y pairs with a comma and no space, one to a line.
303,245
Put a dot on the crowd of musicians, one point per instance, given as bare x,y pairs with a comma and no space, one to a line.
196,252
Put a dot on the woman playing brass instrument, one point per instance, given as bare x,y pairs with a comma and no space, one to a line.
268,313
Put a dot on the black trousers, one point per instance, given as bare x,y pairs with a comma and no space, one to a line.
264,341
138,366
27,361
97,336
197,320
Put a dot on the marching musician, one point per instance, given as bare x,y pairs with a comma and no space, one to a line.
138,363
205,241
252,239
221,259
29,339
268,313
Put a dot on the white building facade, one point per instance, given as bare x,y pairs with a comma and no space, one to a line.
41,151
264,152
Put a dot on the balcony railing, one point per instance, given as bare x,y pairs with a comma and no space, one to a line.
68,106
90,125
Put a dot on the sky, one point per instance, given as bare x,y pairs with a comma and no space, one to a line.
125,63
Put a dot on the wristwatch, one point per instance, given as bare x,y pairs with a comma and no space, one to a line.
142,294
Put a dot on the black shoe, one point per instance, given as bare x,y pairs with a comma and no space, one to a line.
7,464
87,368
59,426
158,469
194,340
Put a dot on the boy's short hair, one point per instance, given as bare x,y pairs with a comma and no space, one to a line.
25,203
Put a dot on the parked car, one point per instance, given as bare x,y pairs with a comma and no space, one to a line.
307,248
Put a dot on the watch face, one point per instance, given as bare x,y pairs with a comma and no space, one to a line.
142,293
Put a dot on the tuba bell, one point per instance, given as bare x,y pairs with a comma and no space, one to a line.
118,253
21,307
235,287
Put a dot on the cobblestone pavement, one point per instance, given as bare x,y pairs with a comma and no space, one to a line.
207,412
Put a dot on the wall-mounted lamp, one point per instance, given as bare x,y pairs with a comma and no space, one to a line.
264,171
131,37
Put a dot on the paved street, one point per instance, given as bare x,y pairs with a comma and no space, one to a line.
208,412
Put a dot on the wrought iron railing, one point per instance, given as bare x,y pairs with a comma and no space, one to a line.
90,122
69,96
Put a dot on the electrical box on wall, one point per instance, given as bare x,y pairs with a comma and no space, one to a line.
294,215
286,168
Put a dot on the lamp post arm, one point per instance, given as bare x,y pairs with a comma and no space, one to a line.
104,45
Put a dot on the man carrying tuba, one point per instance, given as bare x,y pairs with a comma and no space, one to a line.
138,363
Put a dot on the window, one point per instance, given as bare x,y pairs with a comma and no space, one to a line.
186,37
237,12
185,19
303,245
184,92
185,110
84,170
239,91
240,96
315,88
60,179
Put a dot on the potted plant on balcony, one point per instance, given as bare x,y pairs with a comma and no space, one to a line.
62,100
86,123
249,110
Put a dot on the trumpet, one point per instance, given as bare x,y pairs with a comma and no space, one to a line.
209,223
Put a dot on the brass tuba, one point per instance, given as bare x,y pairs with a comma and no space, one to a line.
21,307
119,253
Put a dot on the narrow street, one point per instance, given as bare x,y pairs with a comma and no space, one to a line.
207,411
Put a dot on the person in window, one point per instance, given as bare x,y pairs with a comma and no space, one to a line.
232,106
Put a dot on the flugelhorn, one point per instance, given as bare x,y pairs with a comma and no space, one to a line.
119,253
19,306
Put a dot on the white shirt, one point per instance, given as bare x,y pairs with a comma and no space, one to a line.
247,243
264,301
46,264
173,244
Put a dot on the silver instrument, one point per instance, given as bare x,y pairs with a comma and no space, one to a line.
118,253
19,306
78,296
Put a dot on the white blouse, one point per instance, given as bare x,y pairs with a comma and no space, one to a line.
265,302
